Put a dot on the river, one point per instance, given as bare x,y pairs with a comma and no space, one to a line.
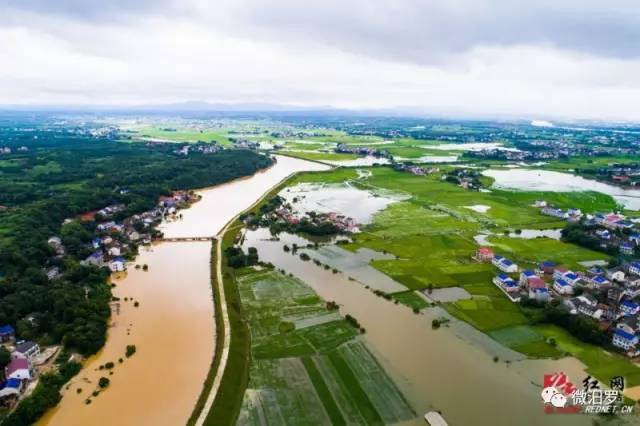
450,369
172,328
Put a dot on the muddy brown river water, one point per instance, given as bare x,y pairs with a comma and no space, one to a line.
173,327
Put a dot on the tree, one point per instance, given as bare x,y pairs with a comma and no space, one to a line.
5,358
103,382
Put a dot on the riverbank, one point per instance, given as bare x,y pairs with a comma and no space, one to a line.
185,275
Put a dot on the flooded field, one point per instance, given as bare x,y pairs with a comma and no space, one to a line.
362,161
450,369
544,180
172,328
344,199
221,203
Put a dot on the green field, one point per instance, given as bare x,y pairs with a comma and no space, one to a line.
601,364
308,364
432,236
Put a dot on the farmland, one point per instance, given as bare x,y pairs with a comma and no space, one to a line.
431,235
308,363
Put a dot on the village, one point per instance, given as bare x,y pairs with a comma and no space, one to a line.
114,243
23,361
609,294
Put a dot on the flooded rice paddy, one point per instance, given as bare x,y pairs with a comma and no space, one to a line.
544,180
450,369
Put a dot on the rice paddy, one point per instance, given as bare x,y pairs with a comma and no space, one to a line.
308,364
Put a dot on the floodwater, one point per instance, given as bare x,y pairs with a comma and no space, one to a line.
360,161
344,199
483,237
221,203
545,180
476,146
173,327
450,369
431,159
172,330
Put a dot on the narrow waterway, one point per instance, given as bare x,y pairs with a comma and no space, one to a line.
172,327
451,369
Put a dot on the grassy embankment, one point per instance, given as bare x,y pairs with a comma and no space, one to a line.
432,236
228,400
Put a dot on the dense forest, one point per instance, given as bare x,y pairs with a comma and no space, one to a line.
58,176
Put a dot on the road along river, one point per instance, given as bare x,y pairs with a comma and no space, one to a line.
172,327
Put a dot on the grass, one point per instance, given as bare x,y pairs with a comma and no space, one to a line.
410,299
600,364
323,391
219,337
228,400
539,249
331,382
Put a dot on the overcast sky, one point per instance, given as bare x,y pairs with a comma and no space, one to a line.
529,58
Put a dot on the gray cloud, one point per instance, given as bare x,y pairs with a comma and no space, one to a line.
430,30
422,32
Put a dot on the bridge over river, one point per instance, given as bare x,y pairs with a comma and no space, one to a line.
186,239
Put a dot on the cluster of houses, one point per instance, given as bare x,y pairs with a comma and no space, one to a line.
20,371
603,226
245,144
465,178
201,147
342,148
621,174
341,222
610,296
8,150
114,240
415,170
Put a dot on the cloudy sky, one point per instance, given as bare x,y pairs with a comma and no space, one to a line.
529,58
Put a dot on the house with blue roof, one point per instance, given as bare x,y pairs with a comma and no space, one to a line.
571,277
628,307
7,333
635,238
627,248
625,341
599,281
545,268
526,275
504,264
634,268
96,243
562,287
118,264
508,285
11,388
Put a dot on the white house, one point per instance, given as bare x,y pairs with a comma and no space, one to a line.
624,340
118,264
28,349
18,368
114,251
10,387
504,264
562,287
629,308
